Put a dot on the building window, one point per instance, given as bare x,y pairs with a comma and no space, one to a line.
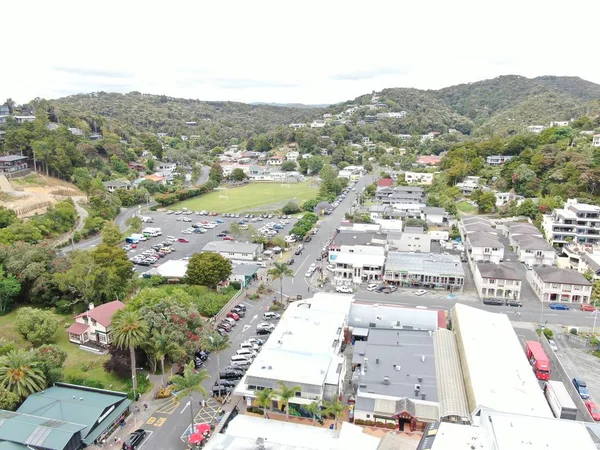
372,325
93,323
298,394
368,416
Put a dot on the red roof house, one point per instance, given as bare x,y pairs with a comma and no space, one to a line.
384,182
94,325
429,160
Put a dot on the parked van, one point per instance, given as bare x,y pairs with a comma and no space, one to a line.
246,352
240,360
249,346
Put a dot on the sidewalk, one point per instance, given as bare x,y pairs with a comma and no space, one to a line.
135,420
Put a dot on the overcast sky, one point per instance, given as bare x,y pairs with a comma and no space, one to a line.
323,51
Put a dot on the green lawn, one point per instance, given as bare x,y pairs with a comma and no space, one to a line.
79,363
261,197
466,208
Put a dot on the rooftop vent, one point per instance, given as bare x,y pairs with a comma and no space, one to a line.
386,380
423,396
397,367
420,379
422,358
376,360
417,387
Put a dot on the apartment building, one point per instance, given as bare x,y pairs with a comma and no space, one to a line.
497,280
359,267
576,222
559,285
412,239
401,195
534,251
482,246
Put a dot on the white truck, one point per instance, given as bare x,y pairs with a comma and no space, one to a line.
560,401
146,219
152,231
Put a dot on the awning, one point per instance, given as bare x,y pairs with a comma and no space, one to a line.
77,328
362,332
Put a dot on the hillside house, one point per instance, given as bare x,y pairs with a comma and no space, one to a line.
94,325
10,164
429,160
537,129
596,140
564,123
292,156
498,160
275,161
117,185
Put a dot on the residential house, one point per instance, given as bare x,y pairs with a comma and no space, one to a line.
11,164
534,250
384,183
482,246
306,156
469,184
23,119
429,160
511,230
418,178
424,269
191,123
292,156
564,123
136,166
412,239
498,160
427,137
497,280
576,222
559,285
229,168
590,263
275,161
4,110
234,250
166,167
319,123
405,137
93,327
297,125
596,140
504,198
401,195
537,129
156,179
470,225
95,137
359,267
162,135
435,215
115,185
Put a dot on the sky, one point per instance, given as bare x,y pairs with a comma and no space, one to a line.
311,52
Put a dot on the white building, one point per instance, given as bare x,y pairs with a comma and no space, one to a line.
498,160
533,250
357,267
503,198
234,250
484,247
297,125
405,137
590,263
166,167
559,285
292,156
564,123
23,119
304,350
596,140
435,215
229,168
496,372
319,123
537,129
275,161
412,239
351,172
418,178
94,325
576,222
424,269
497,281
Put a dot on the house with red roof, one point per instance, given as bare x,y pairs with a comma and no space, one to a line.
429,160
384,183
94,325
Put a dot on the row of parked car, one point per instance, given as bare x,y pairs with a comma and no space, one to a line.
157,251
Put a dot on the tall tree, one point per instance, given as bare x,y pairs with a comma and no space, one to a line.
280,271
216,343
188,383
111,234
285,393
129,331
314,409
335,409
207,269
162,346
9,289
264,399
20,373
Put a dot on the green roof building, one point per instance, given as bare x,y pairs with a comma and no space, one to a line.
63,417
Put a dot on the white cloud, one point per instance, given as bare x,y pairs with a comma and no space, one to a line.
314,51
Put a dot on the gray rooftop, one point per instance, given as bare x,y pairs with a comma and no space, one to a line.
369,316
476,219
484,239
117,183
563,276
414,230
245,269
230,246
504,271
523,228
433,210
423,263
403,357
591,261
356,238
473,227
531,242
11,158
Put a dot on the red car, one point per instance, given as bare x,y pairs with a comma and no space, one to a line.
587,307
233,316
228,238
593,409
184,240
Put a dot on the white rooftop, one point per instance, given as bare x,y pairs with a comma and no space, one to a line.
243,431
174,268
495,364
359,259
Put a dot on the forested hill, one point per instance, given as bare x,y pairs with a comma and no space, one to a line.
504,105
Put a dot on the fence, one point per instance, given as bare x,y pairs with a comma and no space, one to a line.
558,367
227,307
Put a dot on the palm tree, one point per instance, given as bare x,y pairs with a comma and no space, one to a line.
21,374
216,343
280,270
129,331
314,409
334,408
264,398
162,346
188,383
285,393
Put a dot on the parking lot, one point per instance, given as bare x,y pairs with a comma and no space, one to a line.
171,226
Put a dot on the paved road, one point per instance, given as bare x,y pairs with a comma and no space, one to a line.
203,178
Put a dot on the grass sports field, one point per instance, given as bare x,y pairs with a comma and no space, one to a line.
261,197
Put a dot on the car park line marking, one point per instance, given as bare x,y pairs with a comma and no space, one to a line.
156,421
146,439
168,407
246,328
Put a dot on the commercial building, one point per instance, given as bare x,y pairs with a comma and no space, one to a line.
576,222
559,285
497,280
496,372
418,178
254,433
422,269
63,417
349,241
359,267
412,239
234,250
304,350
394,378
501,431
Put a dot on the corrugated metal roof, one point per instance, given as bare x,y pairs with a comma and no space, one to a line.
451,387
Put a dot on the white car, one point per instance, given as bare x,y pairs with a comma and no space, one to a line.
330,267
186,232
265,326
344,289
420,292
372,287
308,274
553,345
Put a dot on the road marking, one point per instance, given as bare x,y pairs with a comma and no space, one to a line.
168,407
254,318
303,262
246,328
549,314
156,422
185,407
